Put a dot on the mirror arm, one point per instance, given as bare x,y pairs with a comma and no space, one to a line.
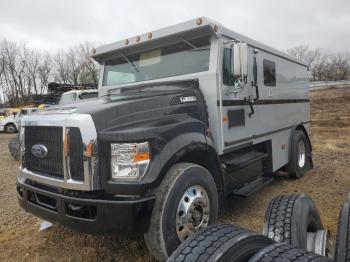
251,108
256,91
251,102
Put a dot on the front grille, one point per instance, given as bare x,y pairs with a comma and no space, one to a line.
76,154
51,138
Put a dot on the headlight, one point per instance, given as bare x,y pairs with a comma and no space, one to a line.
129,160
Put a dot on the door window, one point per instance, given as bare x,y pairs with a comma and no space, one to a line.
269,73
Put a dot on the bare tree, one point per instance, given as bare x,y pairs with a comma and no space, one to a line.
323,66
304,53
339,67
32,64
320,68
44,72
74,65
90,68
24,71
13,76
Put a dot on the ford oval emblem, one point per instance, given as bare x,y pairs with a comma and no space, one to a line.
39,151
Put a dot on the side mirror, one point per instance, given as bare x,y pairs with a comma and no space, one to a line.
239,60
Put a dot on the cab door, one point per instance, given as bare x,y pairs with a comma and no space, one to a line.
236,93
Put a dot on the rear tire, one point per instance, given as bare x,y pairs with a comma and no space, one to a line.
342,250
220,243
300,159
285,253
289,218
186,201
10,128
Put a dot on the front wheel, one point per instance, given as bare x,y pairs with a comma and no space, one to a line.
186,201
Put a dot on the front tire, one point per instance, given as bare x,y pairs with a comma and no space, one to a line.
186,201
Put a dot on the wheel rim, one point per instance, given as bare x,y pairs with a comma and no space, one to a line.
302,156
193,212
319,243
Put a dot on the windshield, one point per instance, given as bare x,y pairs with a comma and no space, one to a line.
183,57
68,98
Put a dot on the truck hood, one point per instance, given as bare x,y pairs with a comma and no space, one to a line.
141,103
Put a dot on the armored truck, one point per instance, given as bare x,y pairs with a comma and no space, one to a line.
186,116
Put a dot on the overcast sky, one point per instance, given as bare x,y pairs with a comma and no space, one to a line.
49,25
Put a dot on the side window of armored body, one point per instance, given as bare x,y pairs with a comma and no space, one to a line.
269,69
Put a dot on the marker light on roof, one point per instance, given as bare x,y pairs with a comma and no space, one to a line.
93,51
126,41
138,38
199,21
149,35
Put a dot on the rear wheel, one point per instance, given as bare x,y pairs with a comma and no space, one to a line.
10,128
300,159
186,201
220,243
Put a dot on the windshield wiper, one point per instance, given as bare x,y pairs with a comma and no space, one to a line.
194,48
130,63
191,45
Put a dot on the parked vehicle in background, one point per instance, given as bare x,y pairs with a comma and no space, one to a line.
55,92
3,114
77,95
11,123
186,116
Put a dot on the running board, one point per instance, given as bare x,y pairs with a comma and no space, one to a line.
253,186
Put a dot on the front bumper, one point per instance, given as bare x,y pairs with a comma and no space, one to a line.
91,215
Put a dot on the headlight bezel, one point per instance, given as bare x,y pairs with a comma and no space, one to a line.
129,161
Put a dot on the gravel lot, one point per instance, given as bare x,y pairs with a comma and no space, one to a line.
328,184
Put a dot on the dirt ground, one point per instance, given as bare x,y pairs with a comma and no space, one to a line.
328,184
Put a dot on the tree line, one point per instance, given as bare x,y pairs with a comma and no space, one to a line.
323,66
25,71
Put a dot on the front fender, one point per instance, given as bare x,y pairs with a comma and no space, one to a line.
169,150
166,136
